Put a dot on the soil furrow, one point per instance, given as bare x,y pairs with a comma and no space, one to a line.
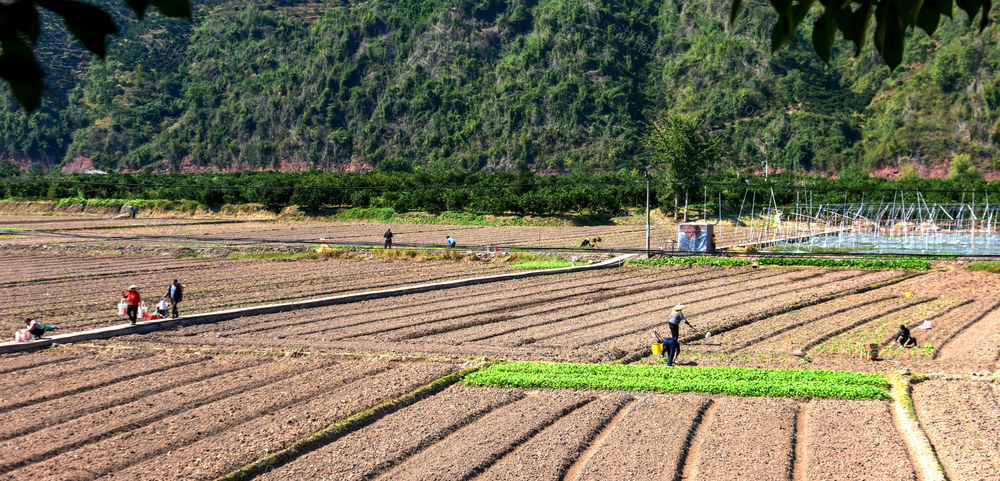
800,454
549,455
854,440
186,425
574,470
241,444
962,420
376,448
990,307
60,410
474,448
827,335
689,461
746,438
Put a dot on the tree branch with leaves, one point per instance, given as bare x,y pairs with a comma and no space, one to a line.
21,25
852,19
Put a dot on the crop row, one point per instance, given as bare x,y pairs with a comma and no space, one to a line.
910,264
716,380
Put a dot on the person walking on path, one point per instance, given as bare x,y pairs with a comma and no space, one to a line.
675,319
176,293
388,238
134,299
671,349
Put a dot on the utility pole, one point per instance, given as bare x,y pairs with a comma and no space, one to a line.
647,213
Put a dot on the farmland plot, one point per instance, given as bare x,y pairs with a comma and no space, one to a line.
551,434
583,316
80,292
962,420
370,234
158,415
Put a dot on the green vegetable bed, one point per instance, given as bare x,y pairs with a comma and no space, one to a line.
716,380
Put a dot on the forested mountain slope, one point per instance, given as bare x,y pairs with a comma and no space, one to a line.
549,85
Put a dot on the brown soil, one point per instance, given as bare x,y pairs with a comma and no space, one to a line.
853,440
198,421
747,439
962,420
77,292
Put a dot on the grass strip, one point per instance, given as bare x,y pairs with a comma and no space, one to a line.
545,265
336,430
716,380
690,261
917,443
911,264
983,266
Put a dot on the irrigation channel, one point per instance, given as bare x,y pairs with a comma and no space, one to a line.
910,226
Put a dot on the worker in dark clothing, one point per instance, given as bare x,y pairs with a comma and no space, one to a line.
904,337
585,243
675,319
388,238
671,349
176,294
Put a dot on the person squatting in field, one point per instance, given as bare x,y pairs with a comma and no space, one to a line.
904,337
134,299
671,349
176,293
675,319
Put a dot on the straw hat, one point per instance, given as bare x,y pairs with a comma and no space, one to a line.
133,286
679,307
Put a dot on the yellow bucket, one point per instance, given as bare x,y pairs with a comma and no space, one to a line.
658,348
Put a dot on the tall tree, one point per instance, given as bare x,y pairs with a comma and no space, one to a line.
677,150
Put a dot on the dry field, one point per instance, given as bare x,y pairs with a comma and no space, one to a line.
202,401
77,292
151,231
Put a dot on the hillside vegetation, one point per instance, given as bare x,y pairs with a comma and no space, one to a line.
547,85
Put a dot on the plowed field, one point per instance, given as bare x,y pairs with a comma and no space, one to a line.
492,434
75,414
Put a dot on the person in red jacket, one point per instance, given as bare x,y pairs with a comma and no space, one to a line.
132,295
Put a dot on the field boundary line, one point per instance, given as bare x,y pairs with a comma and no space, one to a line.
648,351
575,469
904,416
966,326
346,426
210,317
690,456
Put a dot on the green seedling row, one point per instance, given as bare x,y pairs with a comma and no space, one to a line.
714,380
911,264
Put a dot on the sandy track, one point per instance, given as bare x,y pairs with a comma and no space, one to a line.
962,420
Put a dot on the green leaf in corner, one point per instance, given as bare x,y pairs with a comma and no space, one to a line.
734,11
22,73
824,33
173,8
89,24
889,33
930,15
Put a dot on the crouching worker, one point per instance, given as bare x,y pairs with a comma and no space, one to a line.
37,329
904,337
671,349
162,308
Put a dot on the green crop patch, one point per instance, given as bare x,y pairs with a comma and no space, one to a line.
691,261
911,264
715,380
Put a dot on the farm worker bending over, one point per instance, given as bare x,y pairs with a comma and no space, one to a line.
162,307
672,349
451,243
134,299
388,238
36,328
675,319
904,337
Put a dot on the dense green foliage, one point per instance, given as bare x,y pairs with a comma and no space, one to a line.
464,197
716,380
497,85
983,266
690,261
911,264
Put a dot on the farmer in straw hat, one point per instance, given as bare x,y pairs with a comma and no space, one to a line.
675,319
132,295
